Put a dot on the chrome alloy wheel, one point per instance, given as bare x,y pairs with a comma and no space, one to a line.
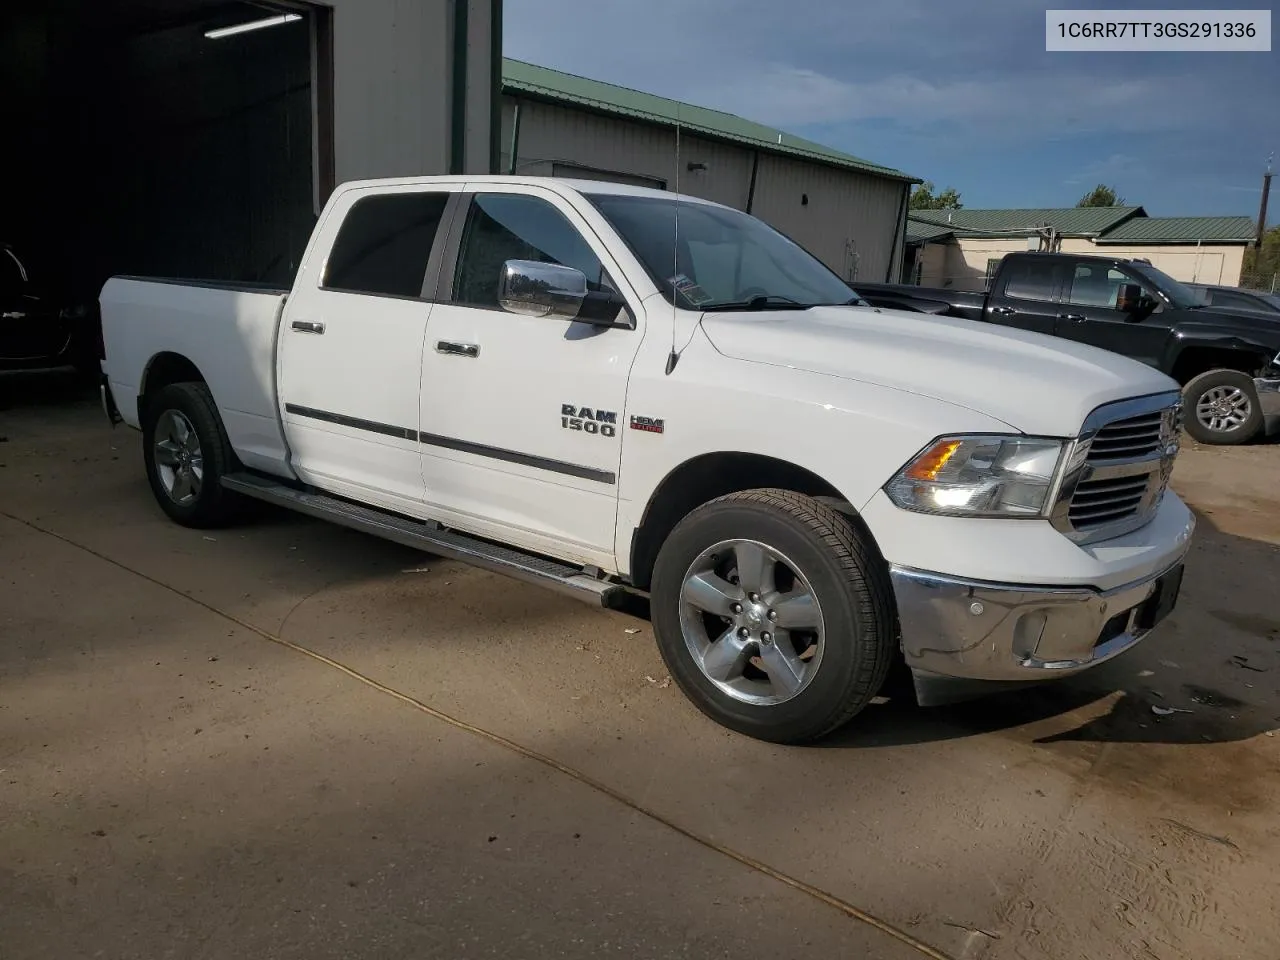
751,622
1223,408
179,461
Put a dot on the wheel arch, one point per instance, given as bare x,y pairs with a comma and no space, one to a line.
707,476
165,368
1194,359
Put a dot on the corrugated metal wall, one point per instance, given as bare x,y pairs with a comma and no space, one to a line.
850,222
550,133
393,73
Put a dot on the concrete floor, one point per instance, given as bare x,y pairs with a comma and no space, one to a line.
176,783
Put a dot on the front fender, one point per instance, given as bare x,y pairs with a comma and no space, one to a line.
1190,339
852,435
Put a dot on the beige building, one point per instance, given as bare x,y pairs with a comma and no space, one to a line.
961,248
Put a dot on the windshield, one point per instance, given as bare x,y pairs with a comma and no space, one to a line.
721,258
1183,297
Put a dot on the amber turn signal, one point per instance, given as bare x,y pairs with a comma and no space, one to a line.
929,464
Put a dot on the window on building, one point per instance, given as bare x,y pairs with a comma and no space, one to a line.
1031,279
384,243
505,226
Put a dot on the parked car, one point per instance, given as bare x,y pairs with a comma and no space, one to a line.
38,328
1223,360
543,378
1237,298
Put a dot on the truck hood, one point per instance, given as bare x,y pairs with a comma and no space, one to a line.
1035,383
1264,327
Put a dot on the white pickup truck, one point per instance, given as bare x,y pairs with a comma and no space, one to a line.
607,389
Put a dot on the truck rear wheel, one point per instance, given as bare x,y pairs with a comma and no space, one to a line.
187,454
1221,408
772,615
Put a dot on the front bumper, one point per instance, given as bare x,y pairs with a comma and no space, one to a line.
1268,388
963,638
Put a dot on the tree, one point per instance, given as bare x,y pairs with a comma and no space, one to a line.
923,198
1262,264
1101,196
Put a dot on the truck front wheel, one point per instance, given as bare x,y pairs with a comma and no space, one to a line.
1221,408
186,453
773,615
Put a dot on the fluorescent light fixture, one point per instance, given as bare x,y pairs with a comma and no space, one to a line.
252,25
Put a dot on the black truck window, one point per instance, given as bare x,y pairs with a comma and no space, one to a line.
1095,285
1029,278
384,243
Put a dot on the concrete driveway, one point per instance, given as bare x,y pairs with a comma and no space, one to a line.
292,740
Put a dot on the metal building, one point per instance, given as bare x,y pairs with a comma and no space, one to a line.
199,138
849,212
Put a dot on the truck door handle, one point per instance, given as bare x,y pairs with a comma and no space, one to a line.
1074,317
307,326
457,349
1002,310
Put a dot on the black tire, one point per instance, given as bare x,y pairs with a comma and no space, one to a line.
212,505
1215,380
848,580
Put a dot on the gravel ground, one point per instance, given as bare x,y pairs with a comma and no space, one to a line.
292,740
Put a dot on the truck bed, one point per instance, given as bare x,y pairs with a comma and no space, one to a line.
228,330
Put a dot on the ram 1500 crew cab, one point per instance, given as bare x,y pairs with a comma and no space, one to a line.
602,388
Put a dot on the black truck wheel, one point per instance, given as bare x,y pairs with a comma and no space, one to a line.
772,615
186,453
1221,408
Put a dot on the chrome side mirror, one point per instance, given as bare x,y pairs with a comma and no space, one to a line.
534,289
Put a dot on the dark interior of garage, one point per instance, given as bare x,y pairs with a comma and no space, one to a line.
137,144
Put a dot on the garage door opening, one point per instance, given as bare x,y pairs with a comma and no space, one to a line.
172,138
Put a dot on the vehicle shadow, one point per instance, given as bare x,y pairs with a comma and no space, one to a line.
59,387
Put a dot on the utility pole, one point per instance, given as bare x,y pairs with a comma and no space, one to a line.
1262,210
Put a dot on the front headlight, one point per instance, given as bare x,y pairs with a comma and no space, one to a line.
980,476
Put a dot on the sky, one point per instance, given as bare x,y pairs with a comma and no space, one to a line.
959,93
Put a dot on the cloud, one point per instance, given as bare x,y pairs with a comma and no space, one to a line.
1039,103
960,92
1117,167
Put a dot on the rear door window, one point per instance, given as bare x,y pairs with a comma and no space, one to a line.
1031,279
384,244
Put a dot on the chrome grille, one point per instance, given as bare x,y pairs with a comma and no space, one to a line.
1098,502
1120,468
1128,438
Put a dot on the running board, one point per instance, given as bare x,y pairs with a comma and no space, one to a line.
431,538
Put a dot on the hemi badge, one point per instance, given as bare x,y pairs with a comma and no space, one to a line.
647,424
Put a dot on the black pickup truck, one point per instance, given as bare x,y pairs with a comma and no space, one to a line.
1227,362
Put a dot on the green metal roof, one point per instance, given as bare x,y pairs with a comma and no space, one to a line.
1070,221
529,80
921,232
1183,230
